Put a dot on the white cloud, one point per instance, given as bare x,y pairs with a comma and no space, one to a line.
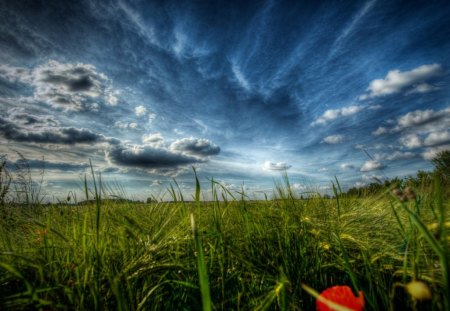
279,166
411,141
347,166
322,170
432,139
126,125
380,131
437,138
371,165
297,186
240,77
397,155
140,110
421,128
360,184
154,139
112,99
332,114
412,81
333,139
430,153
415,118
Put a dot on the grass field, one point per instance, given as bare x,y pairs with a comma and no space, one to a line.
227,254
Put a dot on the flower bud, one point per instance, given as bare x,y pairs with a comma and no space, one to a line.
418,290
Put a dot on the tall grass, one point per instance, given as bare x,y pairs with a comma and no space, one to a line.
227,254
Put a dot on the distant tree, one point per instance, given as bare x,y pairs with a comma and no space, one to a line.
442,164
149,200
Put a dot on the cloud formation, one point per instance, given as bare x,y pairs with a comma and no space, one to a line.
394,156
332,114
420,128
422,117
66,86
430,153
334,139
412,81
195,147
371,165
155,156
148,157
22,127
140,111
347,166
155,139
279,166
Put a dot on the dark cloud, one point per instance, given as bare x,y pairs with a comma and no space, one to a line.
195,147
19,117
74,80
147,157
51,135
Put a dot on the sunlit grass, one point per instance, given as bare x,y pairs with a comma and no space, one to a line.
230,254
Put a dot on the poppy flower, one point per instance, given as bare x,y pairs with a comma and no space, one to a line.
341,295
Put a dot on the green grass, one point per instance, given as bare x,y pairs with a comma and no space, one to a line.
224,255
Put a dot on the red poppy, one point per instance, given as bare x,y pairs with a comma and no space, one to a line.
341,295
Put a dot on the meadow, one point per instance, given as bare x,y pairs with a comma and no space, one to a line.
229,253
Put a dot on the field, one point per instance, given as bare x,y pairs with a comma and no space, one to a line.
227,254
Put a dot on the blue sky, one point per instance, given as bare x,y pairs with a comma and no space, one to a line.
241,91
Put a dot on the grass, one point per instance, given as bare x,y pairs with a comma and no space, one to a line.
228,254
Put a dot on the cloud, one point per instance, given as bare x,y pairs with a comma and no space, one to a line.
18,116
154,139
126,125
397,155
371,165
347,166
333,139
140,111
298,186
430,153
333,114
411,141
195,147
431,139
421,128
148,157
437,138
380,131
360,184
279,166
40,132
323,169
419,117
156,157
412,81
240,78
73,87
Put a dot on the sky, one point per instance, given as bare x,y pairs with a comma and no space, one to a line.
241,90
